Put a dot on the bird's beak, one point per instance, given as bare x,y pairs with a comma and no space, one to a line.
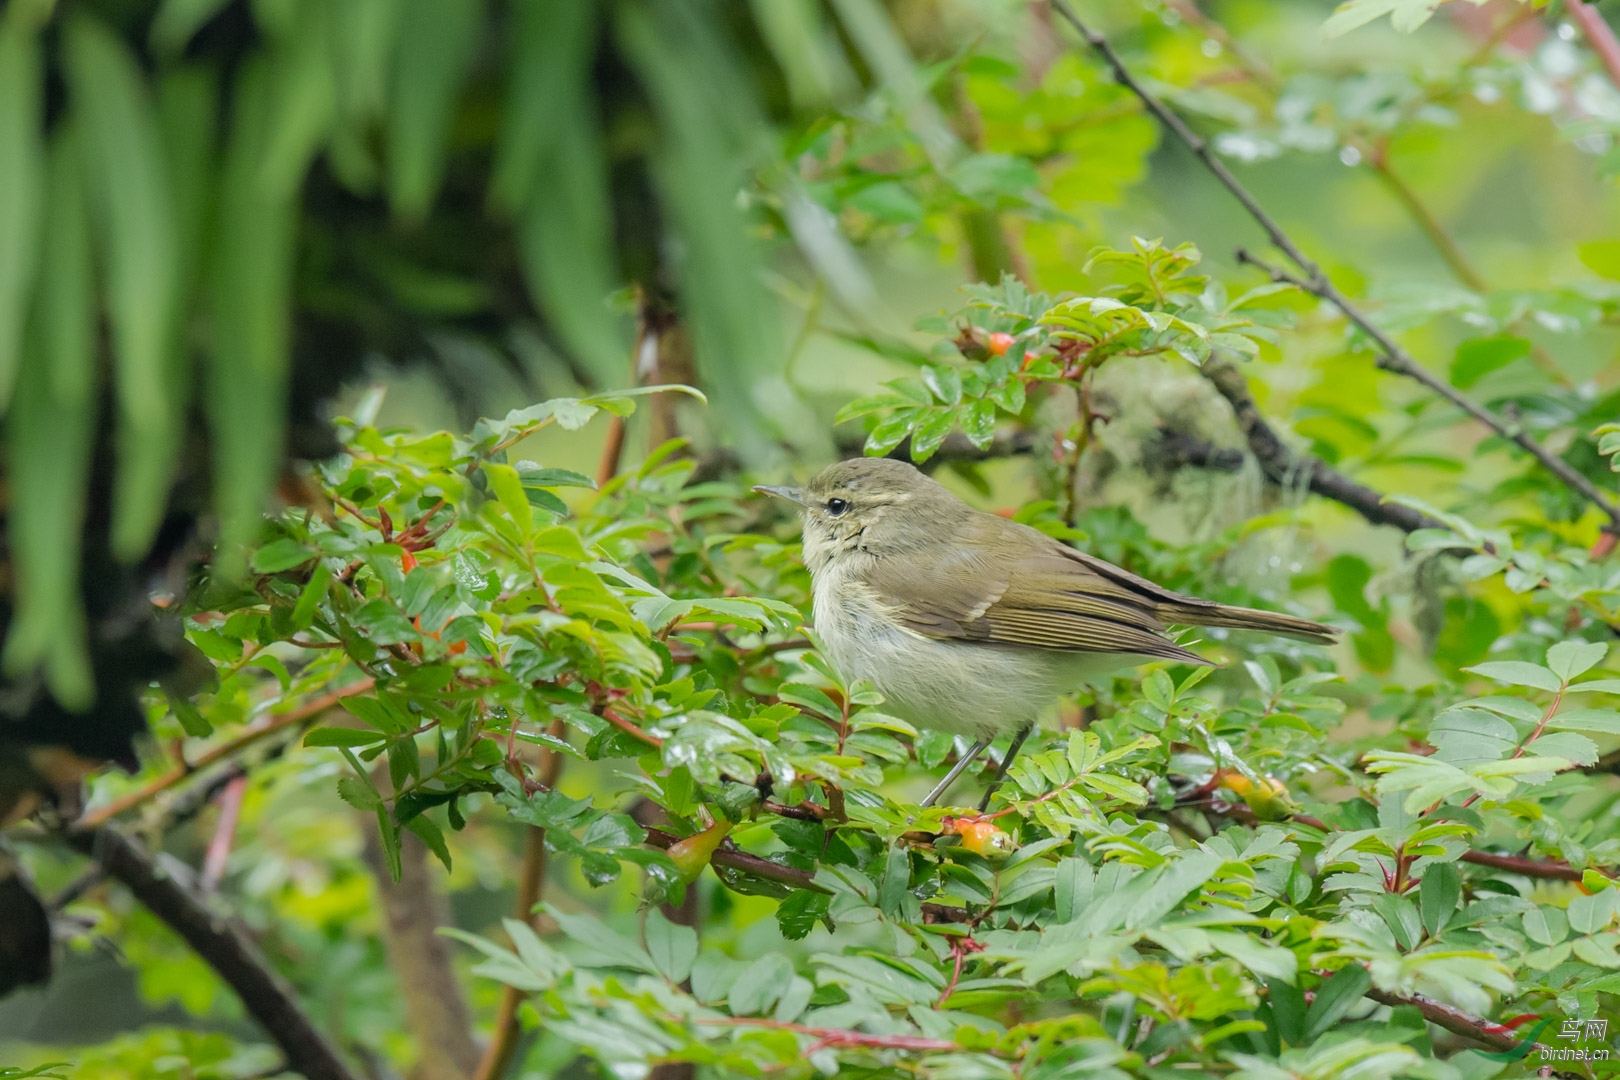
791,494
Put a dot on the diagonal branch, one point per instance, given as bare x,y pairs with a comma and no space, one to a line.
261,730
1394,358
226,949
1282,466
1397,360
1451,1018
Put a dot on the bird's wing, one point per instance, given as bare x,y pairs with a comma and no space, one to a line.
1019,591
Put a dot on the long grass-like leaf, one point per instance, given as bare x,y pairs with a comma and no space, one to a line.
252,272
176,22
48,445
805,49
434,50
554,159
21,184
707,128
551,58
881,46
303,102
187,109
129,187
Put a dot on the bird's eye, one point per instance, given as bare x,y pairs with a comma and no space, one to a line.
836,507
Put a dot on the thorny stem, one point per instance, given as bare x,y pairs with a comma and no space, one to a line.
1542,869
304,713
838,1036
1314,281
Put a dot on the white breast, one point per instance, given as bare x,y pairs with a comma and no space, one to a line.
957,687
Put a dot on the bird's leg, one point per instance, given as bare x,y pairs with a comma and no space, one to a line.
1006,760
956,770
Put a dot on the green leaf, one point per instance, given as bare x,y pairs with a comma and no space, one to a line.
1405,15
359,793
178,20
552,46
1569,659
1335,998
508,487
436,43
49,436
1439,892
1600,721
759,985
1518,673
280,555
565,232
672,947
430,834
1287,1008
798,914
1479,357
1465,735
1602,257
129,186
706,117
251,281
388,833
1401,917
610,948
22,185
1546,925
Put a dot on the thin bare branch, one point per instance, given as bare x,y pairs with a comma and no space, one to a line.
301,715
1282,466
1393,357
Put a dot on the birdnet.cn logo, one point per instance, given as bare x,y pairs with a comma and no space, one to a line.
1577,1040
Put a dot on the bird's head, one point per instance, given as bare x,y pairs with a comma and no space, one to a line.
875,506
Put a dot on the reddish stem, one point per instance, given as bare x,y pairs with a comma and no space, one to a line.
269,726
838,1036
219,848
626,726
1598,36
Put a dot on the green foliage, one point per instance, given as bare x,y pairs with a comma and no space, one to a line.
1306,863
1161,887
1159,306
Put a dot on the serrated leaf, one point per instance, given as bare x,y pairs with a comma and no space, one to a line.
1568,659
1518,673
673,947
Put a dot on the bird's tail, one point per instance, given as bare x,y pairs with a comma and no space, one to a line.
1196,613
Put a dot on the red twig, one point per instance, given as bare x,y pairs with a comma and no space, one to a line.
838,1036
1598,35
961,948
1543,869
269,726
626,726
1541,726
219,848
